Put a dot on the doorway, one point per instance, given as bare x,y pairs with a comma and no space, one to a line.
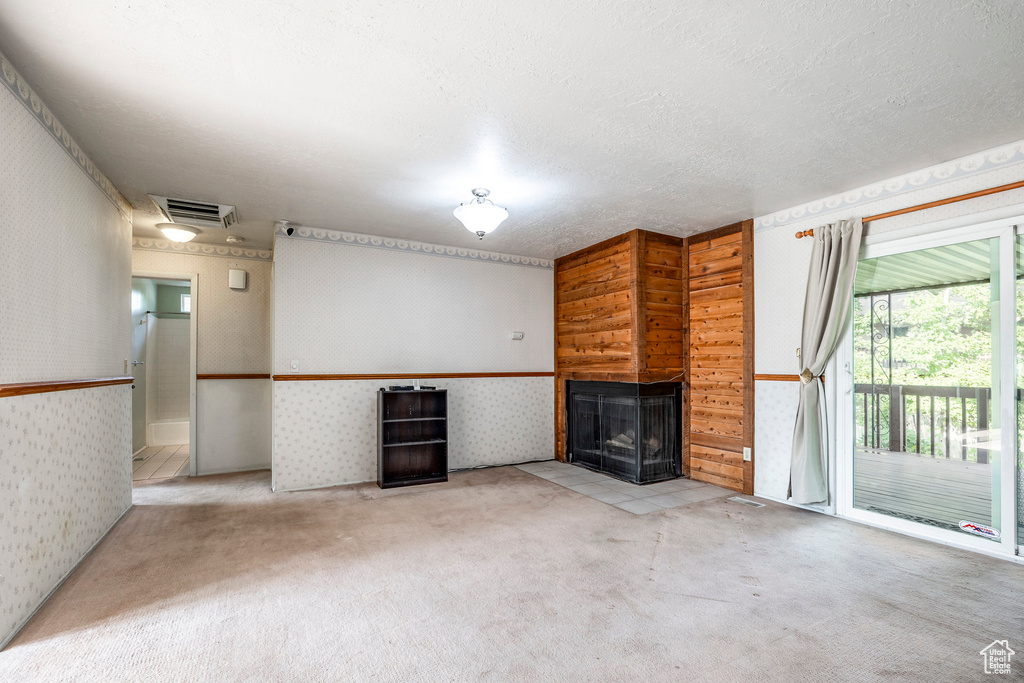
932,429
163,365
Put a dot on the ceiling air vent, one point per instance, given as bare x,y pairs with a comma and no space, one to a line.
199,214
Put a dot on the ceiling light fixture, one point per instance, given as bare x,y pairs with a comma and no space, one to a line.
480,216
177,233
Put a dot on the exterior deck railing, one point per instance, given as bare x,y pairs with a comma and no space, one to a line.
949,422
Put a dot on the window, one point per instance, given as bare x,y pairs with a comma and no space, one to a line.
186,303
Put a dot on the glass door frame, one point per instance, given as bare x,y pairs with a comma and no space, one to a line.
966,229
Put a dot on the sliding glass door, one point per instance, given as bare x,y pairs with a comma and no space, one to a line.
934,365
1020,386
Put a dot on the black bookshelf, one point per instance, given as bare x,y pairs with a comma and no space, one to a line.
412,437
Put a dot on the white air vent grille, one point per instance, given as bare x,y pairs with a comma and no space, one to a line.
747,501
199,214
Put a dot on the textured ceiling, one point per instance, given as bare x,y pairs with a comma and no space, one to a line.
585,119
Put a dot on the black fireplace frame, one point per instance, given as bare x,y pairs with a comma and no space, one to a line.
630,390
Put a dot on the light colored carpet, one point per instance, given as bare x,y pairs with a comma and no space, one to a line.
500,575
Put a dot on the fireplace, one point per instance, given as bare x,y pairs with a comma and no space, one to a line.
630,431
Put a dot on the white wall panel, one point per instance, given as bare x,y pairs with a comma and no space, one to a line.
233,425
325,432
65,283
64,263
352,309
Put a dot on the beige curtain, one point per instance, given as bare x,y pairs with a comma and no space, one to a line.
826,307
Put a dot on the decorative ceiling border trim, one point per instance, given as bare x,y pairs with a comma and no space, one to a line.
393,244
972,165
17,84
193,249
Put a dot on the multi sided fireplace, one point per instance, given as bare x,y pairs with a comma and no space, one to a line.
630,431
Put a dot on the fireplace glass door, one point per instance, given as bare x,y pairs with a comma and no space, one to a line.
627,436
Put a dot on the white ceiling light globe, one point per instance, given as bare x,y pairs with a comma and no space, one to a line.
177,233
480,216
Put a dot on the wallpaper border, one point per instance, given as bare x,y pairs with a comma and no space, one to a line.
964,167
193,249
374,241
17,84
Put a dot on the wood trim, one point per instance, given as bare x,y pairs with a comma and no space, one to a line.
723,231
781,378
25,388
407,375
236,376
948,200
684,403
748,354
610,242
638,285
931,205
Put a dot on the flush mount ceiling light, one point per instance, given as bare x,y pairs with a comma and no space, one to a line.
177,233
480,216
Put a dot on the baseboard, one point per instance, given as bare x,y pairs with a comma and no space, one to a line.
21,624
810,508
373,481
233,470
139,451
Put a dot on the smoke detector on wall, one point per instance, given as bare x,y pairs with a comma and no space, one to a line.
199,214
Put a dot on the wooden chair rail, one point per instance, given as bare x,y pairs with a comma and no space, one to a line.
26,388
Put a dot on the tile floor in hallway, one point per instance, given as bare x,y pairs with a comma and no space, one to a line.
160,462
629,497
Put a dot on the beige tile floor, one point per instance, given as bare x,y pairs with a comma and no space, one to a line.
160,462
629,497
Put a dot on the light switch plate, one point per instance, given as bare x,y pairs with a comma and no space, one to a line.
747,457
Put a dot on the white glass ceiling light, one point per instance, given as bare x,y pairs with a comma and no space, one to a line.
177,233
480,216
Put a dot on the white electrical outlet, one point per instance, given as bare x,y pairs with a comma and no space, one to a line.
295,366
747,456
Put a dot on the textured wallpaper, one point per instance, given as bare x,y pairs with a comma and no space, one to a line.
340,308
325,433
65,478
64,263
775,411
233,325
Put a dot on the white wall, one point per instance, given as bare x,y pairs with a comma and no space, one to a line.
341,308
780,276
168,375
353,309
234,337
65,282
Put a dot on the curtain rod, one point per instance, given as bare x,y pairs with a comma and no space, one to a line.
929,205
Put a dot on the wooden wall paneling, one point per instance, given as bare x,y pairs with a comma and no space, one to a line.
688,384
748,354
719,312
638,285
618,314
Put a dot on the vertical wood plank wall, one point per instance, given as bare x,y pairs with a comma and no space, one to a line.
718,416
645,307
